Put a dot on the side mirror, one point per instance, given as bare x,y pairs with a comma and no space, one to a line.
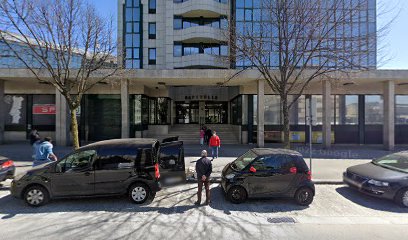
252,169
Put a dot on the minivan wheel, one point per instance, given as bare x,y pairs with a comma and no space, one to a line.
237,194
402,197
139,193
304,196
36,196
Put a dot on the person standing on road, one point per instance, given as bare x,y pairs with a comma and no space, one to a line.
44,152
214,144
203,169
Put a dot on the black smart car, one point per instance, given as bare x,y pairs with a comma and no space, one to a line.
7,169
112,167
385,177
265,172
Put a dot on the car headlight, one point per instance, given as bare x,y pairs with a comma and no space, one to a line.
230,176
378,183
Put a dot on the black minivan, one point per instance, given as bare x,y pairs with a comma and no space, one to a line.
266,172
113,167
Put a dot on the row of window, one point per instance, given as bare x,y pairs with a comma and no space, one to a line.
183,23
346,4
184,49
345,109
181,1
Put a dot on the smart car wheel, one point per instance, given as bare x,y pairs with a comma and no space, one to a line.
304,196
237,194
139,193
36,196
402,197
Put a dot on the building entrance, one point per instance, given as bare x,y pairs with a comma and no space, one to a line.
202,112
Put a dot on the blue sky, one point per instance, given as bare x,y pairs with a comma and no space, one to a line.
394,47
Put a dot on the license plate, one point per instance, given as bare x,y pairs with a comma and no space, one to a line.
353,183
173,180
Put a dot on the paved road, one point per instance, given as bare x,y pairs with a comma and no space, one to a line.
337,213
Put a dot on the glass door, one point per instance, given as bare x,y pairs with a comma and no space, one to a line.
187,112
216,112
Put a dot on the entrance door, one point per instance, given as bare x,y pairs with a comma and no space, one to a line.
216,112
187,112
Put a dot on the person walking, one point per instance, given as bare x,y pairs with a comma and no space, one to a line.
203,169
44,153
202,133
215,144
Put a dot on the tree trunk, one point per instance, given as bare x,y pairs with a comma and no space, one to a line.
286,126
74,129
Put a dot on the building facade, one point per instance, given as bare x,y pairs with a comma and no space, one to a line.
176,80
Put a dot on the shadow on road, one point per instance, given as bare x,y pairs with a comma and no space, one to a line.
370,202
169,202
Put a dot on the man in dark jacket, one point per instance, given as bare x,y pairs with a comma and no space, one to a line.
203,170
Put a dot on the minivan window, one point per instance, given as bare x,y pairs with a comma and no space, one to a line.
78,161
169,156
243,161
115,158
114,162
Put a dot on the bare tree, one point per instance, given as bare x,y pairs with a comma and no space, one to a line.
67,39
294,42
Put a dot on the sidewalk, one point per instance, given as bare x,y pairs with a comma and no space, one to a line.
324,171
327,165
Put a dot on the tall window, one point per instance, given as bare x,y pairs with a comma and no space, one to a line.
401,109
374,109
133,34
152,30
347,110
152,56
152,6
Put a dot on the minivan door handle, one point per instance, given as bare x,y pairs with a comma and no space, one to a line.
87,173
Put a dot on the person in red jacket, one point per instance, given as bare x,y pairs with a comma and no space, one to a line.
214,144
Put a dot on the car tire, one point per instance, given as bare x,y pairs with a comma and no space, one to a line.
304,196
139,193
36,196
237,194
402,197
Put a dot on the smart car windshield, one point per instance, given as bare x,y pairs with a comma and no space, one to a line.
396,161
243,161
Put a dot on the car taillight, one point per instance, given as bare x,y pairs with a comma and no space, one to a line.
156,171
7,164
293,170
309,175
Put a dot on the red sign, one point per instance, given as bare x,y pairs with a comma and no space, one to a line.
47,109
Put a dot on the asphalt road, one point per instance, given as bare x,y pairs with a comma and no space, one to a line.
337,213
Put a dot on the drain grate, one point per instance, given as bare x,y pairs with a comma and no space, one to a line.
281,220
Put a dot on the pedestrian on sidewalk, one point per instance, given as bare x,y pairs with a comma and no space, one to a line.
202,133
215,144
208,134
34,136
44,153
203,169
35,145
